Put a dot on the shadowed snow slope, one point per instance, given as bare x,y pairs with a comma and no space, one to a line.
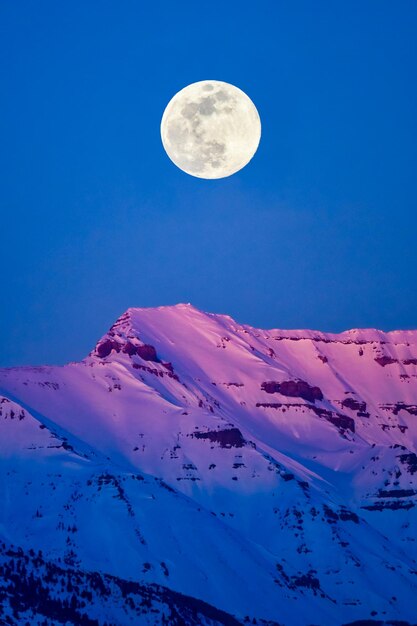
270,474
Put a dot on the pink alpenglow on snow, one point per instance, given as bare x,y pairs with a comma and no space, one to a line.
193,464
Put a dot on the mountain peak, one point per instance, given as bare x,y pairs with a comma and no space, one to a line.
130,328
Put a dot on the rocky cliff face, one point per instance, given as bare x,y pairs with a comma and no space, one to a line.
267,474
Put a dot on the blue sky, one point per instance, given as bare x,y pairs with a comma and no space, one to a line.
318,231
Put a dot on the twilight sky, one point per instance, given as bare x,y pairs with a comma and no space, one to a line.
318,231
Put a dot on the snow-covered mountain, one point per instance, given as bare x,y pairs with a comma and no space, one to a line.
192,470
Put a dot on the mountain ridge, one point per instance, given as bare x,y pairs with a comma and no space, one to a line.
310,333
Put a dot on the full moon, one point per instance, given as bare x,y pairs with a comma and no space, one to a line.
210,129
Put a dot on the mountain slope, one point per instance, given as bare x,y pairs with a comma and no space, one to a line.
267,473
